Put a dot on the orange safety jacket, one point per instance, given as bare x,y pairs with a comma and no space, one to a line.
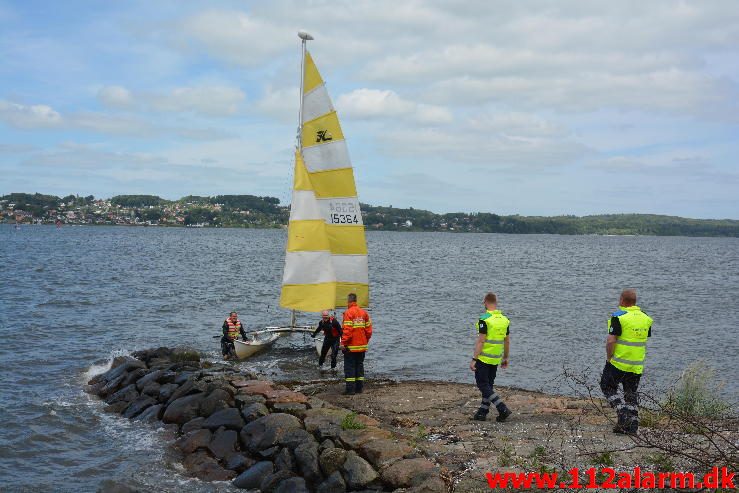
233,328
357,329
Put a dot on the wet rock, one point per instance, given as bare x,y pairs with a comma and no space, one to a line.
292,485
269,453
306,457
138,406
229,418
194,440
151,389
324,423
331,460
270,482
183,409
151,414
166,391
353,439
117,408
147,355
284,460
326,444
268,431
204,467
184,354
223,443
294,408
133,376
167,377
127,364
152,376
126,394
357,472
193,424
252,477
191,386
238,462
111,386
254,411
216,401
408,472
380,452
244,400
183,377
334,484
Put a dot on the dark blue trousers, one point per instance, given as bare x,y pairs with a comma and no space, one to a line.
485,378
354,371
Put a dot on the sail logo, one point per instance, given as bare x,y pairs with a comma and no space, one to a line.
323,136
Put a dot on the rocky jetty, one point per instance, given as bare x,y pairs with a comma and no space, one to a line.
259,435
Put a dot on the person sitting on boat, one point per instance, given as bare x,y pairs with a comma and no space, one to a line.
331,338
232,327
355,336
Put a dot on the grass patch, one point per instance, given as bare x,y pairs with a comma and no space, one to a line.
604,459
697,394
661,461
350,422
505,459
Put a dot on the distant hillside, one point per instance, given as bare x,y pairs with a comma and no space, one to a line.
266,212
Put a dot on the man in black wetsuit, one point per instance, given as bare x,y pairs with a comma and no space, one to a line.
331,337
232,327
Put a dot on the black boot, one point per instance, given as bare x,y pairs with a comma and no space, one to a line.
632,424
503,413
480,415
621,423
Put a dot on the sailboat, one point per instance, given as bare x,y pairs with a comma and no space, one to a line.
326,251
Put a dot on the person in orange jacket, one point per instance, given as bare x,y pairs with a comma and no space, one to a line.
356,333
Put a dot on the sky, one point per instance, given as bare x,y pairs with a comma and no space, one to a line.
533,108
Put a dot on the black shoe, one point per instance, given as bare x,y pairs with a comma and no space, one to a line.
503,415
346,392
480,416
619,430
359,391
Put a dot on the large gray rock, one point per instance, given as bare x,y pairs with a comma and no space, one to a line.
334,484
223,443
148,378
151,389
357,472
166,391
116,408
285,460
243,400
138,406
433,484
115,372
204,467
306,456
292,485
192,425
134,376
126,394
194,440
324,423
238,462
268,431
111,386
230,418
409,472
151,414
252,477
297,437
383,451
254,411
183,409
270,482
331,460
295,408
216,400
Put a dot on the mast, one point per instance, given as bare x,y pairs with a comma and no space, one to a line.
304,38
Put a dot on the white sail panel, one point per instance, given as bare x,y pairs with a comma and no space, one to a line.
322,267
304,206
316,103
325,157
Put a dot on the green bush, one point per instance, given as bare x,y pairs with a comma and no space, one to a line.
697,394
350,422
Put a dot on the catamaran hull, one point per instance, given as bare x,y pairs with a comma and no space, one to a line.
250,348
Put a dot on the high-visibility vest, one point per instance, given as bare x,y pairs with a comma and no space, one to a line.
492,349
631,345
234,329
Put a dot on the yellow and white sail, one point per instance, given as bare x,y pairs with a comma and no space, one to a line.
326,255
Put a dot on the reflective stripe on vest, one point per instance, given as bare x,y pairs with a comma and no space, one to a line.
497,325
631,346
234,329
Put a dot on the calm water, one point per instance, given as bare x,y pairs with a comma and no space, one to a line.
72,298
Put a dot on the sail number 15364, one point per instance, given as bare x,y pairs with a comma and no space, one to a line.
344,213
344,219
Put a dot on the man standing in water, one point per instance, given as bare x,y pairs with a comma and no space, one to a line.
356,333
232,327
331,338
491,350
626,349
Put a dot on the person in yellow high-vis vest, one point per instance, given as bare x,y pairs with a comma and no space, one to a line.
626,349
491,351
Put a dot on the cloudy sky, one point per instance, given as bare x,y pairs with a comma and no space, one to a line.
536,108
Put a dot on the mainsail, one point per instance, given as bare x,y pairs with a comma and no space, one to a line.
326,256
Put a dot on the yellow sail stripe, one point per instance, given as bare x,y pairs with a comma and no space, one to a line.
301,180
321,130
317,297
312,76
332,183
346,240
308,236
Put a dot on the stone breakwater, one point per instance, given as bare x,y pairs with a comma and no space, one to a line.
259,435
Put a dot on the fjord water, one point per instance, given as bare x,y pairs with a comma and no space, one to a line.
72,298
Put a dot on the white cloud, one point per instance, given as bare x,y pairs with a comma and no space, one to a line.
115,96
280,103
29,116
208,100
386,104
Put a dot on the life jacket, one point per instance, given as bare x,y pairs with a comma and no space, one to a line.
234,329
497,329
333,331
631,345
356,329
